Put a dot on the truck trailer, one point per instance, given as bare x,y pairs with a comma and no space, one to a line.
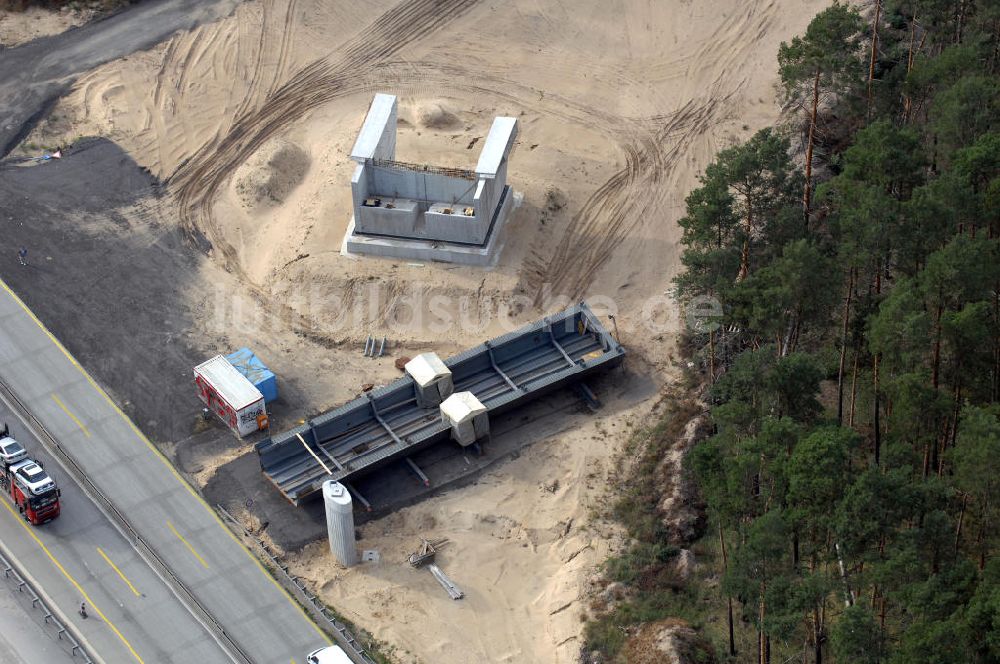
33,491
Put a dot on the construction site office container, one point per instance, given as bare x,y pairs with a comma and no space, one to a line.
230,395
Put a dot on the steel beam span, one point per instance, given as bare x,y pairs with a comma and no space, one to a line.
387,424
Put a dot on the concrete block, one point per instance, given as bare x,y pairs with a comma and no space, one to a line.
377,138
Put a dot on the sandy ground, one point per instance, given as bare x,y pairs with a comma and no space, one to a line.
249,120
522,546
619,104
17,28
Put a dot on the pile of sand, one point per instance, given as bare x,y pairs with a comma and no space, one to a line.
437,115
270,175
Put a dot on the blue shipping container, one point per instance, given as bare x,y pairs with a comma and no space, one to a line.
250,366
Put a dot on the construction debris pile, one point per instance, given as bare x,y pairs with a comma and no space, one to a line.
425,557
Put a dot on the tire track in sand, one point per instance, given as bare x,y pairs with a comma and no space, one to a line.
197,182
636,193
651,146
285,45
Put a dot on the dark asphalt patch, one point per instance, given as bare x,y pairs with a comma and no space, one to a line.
105,276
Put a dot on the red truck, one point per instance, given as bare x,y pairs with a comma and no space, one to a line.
34,493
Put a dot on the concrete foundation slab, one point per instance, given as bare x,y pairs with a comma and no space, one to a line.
485,255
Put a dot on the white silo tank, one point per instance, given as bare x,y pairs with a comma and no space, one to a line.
340,522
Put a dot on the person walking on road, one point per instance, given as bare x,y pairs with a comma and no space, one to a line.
22,255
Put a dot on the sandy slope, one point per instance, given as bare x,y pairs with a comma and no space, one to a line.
621,104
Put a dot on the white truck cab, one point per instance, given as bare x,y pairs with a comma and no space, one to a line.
11,451
328,655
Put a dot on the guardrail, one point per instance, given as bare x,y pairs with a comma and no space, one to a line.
16,579
106,505
299,588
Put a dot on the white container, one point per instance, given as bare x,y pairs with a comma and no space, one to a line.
433,379
340,522
230,395
467,416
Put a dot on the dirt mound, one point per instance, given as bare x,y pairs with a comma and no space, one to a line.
681,506
436,115
669,641
270,175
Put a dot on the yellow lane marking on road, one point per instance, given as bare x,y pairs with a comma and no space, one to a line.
165,462
187,544
69,577
55,397
115,568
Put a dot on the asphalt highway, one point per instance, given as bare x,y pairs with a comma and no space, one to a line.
22,640
133,614
81,558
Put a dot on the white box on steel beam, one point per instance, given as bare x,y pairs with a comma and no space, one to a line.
433,379
468,417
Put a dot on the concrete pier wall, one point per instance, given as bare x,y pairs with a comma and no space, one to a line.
414,205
